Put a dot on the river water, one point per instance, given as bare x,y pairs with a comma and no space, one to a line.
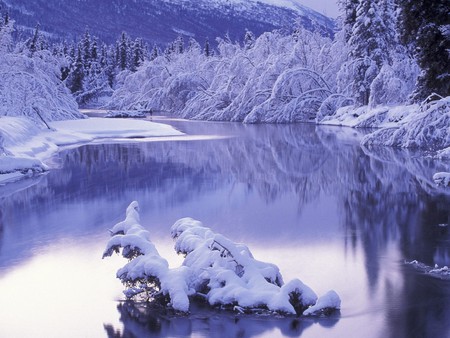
306,198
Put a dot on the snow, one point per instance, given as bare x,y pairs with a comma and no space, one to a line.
215,268
436,271
425,126
442,178
329,301
25,146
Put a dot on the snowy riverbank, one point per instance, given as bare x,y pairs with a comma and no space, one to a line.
24,147
425,127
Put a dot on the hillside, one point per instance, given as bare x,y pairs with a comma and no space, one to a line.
161,21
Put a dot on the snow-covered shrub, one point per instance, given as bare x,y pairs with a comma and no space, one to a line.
426,129
215,269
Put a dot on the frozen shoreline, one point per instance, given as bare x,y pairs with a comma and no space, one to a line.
25,147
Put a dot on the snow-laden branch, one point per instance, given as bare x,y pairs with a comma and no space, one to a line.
216,269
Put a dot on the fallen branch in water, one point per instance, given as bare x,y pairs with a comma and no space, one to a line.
215,269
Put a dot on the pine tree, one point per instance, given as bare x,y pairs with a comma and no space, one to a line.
33,44
123,51
249,39
424,28
155,53
207,49
348,7
370,43
137,55
77,75
86,50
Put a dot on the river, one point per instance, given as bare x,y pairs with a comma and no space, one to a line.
306,198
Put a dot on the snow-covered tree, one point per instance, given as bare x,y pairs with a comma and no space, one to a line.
379,70
282,78
425,29
30,83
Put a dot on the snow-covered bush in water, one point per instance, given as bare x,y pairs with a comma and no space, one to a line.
277,78
30,85
215,269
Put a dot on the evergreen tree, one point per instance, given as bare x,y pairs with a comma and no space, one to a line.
249,39
77,75
424,27
123,51
138,54
348,7
178,45
154,54
94,50
207,48
370,44
86,49
33,43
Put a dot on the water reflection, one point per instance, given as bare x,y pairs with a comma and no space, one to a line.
348,217
140,320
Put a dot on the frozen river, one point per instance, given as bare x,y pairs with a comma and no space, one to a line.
306,198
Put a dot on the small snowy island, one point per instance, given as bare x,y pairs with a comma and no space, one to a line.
216,270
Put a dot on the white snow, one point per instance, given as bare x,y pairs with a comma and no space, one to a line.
442,178
425,126
25,146
329,301
436,271
222,272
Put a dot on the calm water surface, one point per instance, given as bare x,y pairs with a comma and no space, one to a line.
308,199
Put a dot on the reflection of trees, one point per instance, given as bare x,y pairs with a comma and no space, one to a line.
140,320
384,195
390,198
425,310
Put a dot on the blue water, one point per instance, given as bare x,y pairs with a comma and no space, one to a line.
306,198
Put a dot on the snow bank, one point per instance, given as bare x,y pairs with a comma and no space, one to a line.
24,146
221,272
427,128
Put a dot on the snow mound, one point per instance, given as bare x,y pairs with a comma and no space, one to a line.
436,271
442,179
223,273
126,114
328,302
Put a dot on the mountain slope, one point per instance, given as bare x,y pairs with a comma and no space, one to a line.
161,21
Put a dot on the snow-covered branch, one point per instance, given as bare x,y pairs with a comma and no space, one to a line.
223,273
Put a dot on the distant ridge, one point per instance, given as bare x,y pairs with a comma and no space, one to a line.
161,21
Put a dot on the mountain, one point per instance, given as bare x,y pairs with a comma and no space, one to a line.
161,21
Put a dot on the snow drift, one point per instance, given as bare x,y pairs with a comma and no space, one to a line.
222,273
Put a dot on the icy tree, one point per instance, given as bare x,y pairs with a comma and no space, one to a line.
222,273
274,78
30,83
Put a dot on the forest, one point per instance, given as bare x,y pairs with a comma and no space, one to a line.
385,53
